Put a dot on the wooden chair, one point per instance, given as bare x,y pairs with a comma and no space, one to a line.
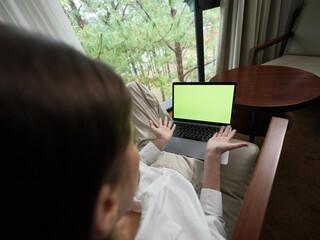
300,50
254,201
303,49
250,220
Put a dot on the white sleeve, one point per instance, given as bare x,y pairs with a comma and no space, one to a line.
149,153
211,202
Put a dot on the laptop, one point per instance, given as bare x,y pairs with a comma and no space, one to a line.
199,110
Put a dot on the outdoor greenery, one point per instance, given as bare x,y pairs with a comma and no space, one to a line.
150,41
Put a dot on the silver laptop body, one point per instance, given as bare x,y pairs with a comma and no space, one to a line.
200,104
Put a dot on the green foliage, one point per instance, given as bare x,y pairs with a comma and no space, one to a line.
138,38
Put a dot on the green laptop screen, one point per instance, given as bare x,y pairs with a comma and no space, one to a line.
210,103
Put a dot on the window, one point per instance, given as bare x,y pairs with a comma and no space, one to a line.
150,41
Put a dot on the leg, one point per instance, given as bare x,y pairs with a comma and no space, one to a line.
190,168
145,107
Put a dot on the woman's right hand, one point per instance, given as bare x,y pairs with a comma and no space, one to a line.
220,142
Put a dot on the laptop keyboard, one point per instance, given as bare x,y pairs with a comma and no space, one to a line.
195,132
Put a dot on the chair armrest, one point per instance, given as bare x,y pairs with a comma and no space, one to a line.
167,105
253,51
252,214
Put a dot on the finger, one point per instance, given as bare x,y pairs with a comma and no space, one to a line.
226,131
160,122
221,130
237,145
173,128
216,134
151,124
170,124
165,122
231,135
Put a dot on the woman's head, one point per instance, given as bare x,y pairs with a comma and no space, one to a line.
65,129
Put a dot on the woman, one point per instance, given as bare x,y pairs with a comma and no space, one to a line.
65,127
71,165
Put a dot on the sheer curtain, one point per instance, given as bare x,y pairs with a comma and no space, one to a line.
243,25
41,16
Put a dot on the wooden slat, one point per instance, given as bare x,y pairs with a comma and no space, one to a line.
251,217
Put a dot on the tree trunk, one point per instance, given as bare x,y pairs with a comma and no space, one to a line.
100,46
168,67
153,70
79,20
144,76
178,54
162,95
134,68
141,70
178,51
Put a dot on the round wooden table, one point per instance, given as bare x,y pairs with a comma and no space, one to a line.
268,90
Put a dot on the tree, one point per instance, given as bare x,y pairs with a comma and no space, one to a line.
148,41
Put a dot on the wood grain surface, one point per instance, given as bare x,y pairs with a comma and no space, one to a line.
271,88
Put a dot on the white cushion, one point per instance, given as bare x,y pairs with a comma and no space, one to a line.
306,37
307,63
235,179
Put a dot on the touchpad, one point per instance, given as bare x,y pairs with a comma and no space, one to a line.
191,148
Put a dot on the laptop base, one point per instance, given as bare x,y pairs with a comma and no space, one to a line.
191,148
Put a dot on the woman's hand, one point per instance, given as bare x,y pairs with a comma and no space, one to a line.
220,142
163,133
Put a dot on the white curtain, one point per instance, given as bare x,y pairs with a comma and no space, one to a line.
41,16
243,25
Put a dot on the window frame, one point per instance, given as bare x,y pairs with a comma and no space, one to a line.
198,7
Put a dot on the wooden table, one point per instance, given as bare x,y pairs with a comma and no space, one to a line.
271,89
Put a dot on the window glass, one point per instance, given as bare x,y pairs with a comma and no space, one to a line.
211,21
150,41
